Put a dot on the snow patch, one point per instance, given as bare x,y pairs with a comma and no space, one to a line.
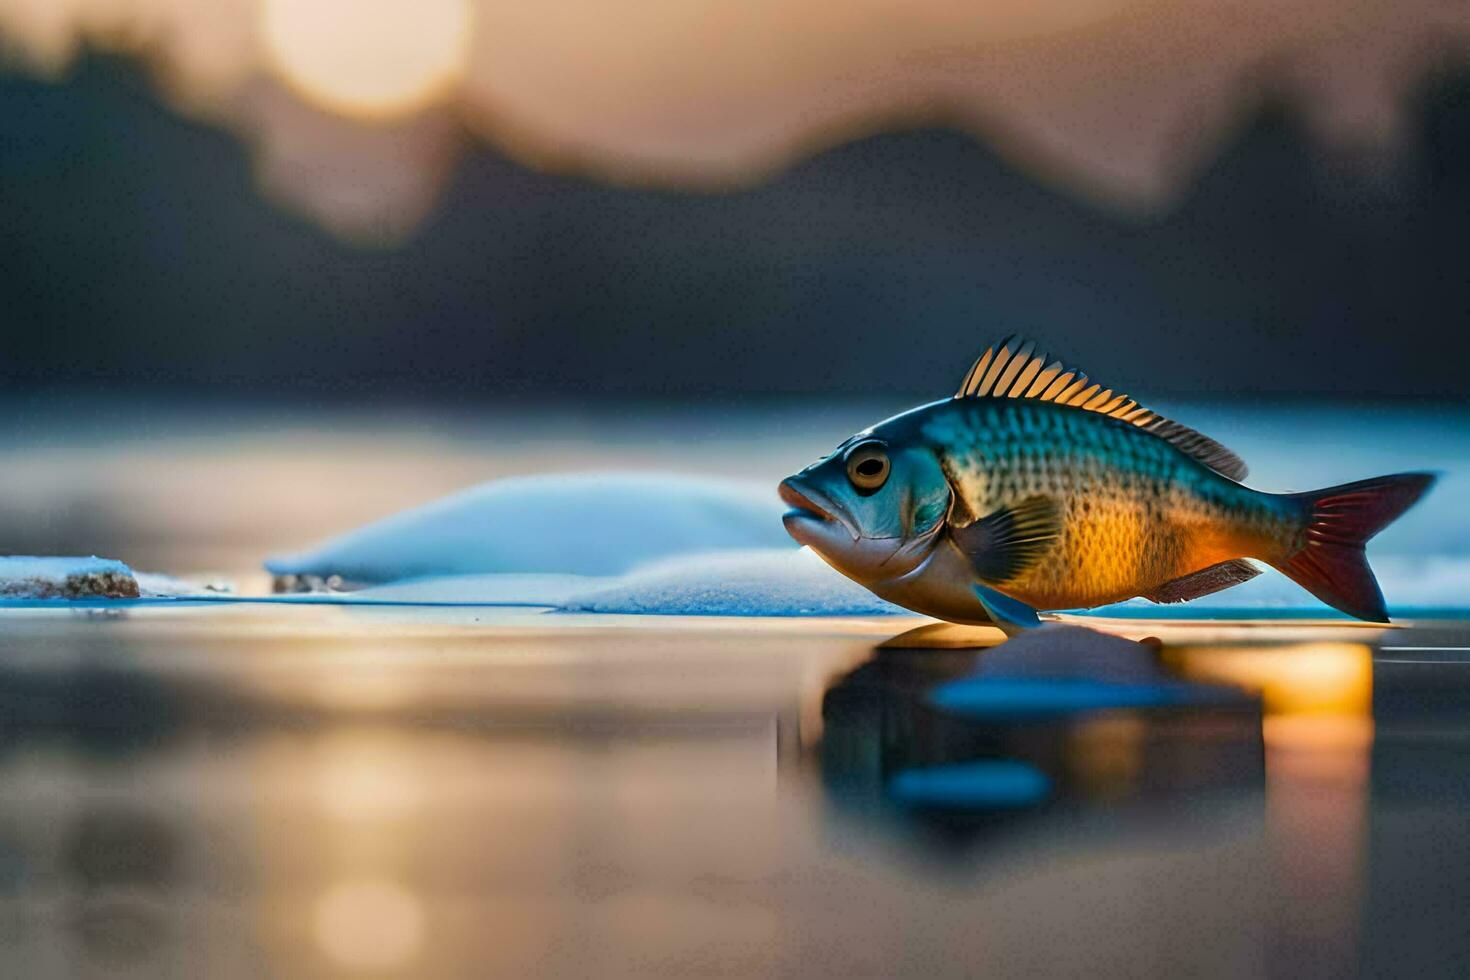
155,585
769,582
27,577
565,523
470,590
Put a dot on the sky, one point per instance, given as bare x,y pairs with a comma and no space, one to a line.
1172,201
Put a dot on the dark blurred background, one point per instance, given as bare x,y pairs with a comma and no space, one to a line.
151,250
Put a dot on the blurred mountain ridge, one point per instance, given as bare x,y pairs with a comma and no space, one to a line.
137,255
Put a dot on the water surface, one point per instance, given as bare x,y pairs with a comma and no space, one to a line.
320,791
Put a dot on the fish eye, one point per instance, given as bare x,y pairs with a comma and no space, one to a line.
867,466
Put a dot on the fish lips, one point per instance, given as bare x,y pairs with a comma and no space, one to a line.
813,519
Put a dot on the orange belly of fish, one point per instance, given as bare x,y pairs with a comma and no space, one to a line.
1113,553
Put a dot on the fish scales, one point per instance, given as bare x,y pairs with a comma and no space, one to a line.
1136,512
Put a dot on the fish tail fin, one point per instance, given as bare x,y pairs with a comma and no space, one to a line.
1332,565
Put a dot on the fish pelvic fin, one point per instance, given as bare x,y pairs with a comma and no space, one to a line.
1206,581
1333,565
1012,616
1006,542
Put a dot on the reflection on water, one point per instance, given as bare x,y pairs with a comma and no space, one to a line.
687,799
1317,700
883,724
369,923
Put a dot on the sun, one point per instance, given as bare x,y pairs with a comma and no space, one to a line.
370,58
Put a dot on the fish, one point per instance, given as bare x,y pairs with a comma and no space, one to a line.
1034,488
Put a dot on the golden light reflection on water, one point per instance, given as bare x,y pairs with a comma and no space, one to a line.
367,688
366,774
369,923
597,802
370,825
1313,695
371,58
1105,754
1318,678
1317,726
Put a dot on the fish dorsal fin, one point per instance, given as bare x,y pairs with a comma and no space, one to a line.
1013,369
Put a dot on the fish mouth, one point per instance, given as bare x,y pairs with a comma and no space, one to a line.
809,508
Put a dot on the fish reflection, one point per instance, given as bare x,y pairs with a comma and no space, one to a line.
986,784
910,729
1056,714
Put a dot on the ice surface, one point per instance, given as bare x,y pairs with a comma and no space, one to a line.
768,582
506,589
154,585
27,577
761,582
562,523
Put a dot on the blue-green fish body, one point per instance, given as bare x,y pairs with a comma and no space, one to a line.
1033,484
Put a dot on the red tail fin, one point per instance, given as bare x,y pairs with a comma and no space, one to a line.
1332,565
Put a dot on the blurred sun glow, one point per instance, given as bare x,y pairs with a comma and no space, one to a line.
1119,103
377,59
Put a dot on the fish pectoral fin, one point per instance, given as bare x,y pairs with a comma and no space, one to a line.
1007,542
1011,615
1206,581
